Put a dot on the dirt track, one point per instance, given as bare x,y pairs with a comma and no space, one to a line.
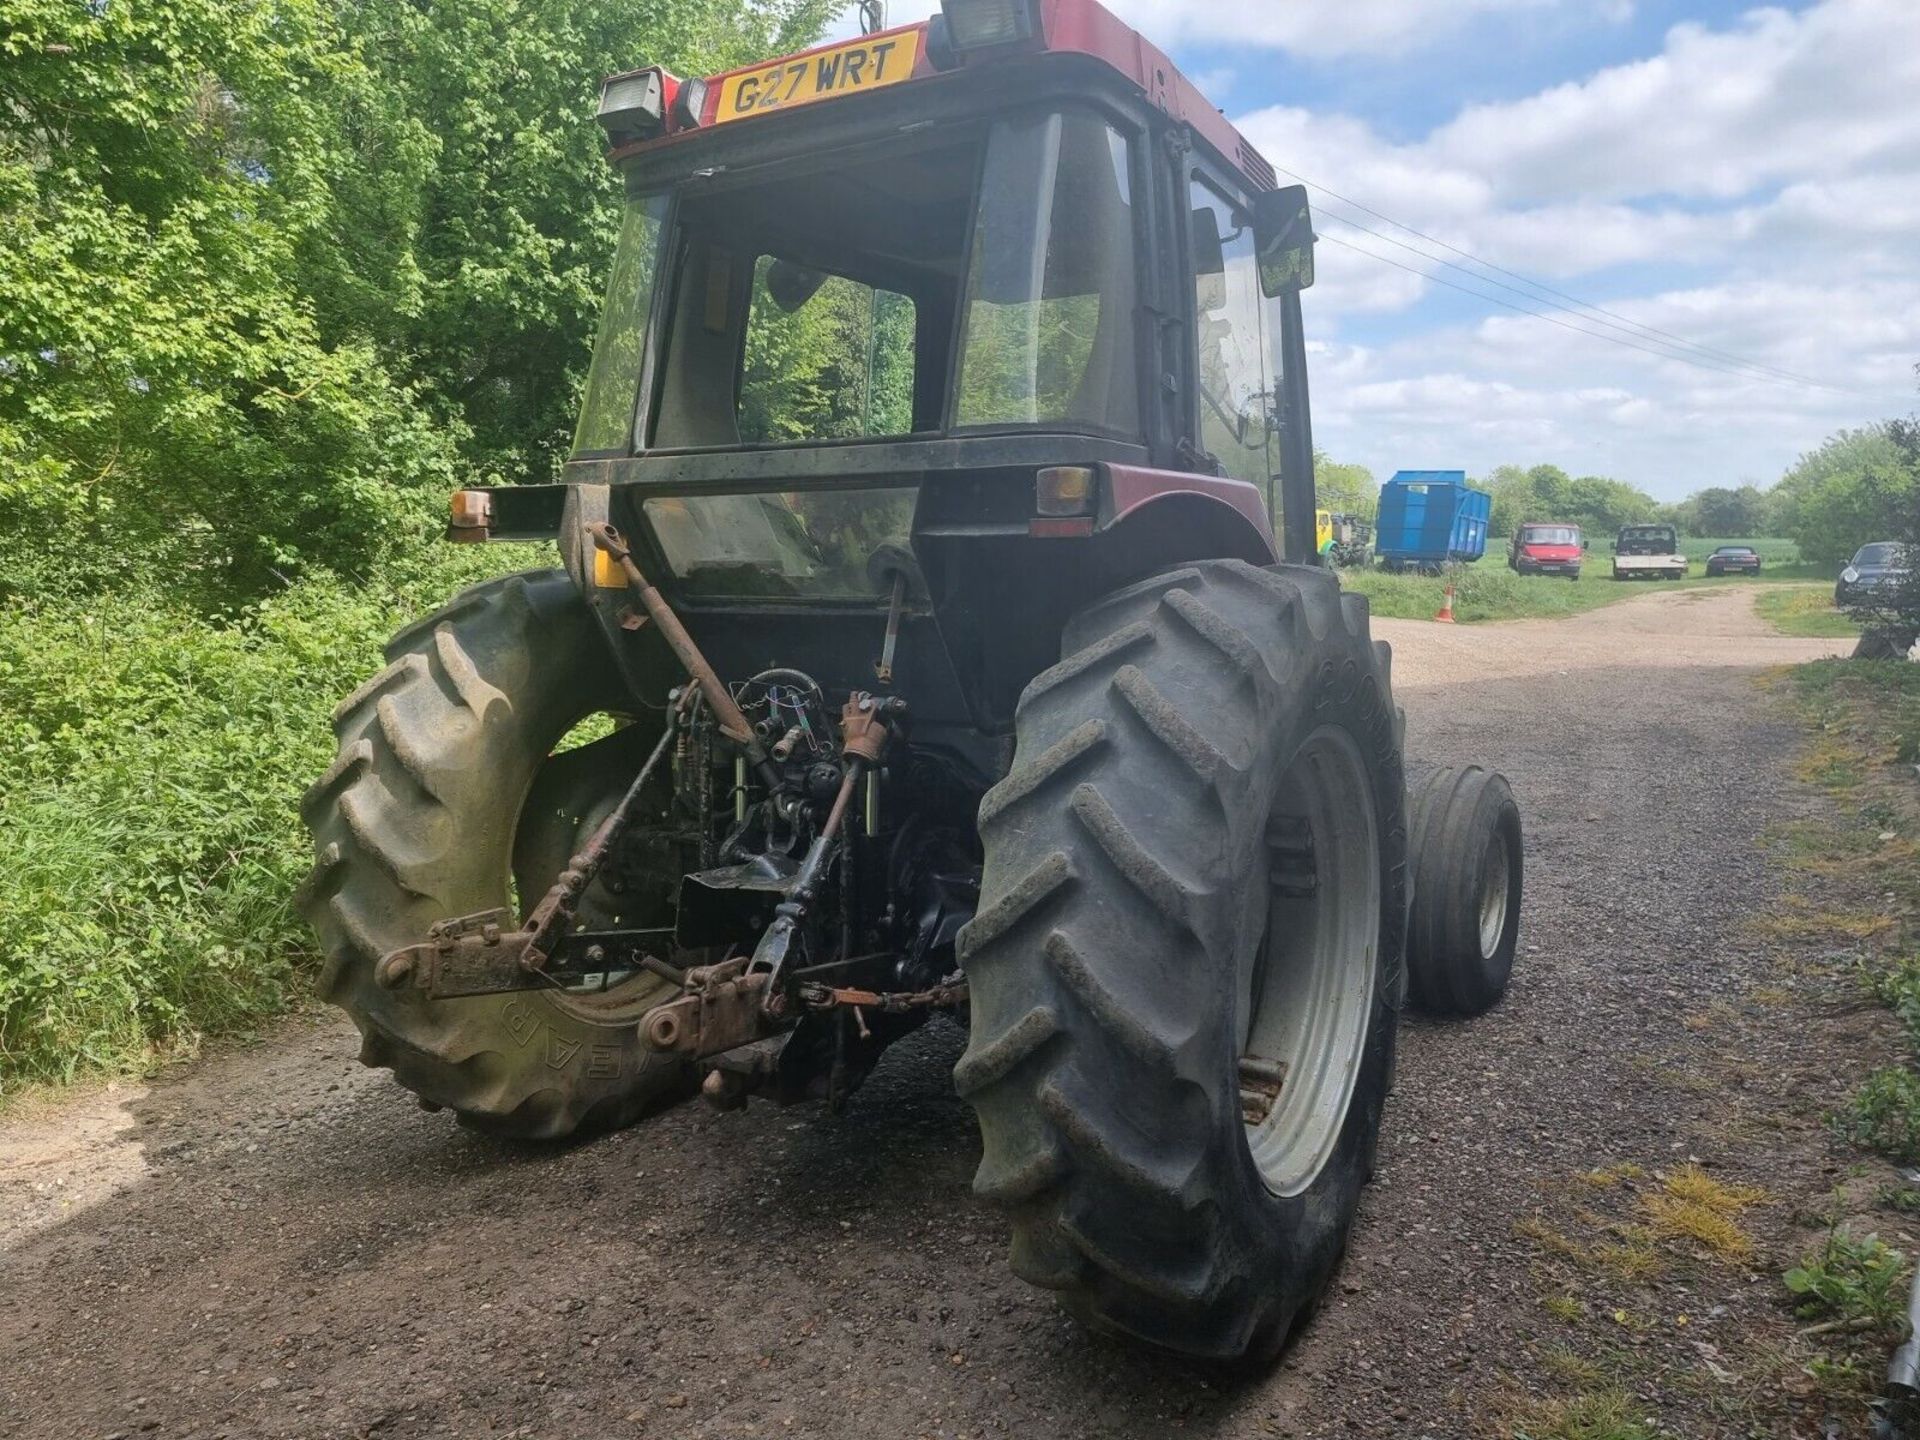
275,1242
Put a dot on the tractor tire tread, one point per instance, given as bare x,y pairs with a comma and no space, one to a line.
1093,1082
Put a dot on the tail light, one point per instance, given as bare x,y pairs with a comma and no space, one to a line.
1064,490
690,106
470,517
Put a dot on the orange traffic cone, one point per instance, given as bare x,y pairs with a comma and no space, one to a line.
1445,617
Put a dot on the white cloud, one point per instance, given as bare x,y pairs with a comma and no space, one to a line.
1377,27
1762,181
1508,388
1716,113
1300,27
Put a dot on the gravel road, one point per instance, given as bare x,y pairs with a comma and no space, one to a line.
276,1242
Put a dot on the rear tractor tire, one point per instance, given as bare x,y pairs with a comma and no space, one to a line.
1186,968
443,788
1467,870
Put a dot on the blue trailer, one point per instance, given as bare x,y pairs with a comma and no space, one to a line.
1429,518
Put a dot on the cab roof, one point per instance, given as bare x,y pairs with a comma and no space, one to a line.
1061,27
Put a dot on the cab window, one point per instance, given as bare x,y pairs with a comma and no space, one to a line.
817,304
1232,374
1051,280
606,405
827,358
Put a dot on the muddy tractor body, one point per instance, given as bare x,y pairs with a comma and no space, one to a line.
938,632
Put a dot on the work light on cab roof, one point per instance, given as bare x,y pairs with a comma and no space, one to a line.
982,24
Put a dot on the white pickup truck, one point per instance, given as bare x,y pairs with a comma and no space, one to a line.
1648,552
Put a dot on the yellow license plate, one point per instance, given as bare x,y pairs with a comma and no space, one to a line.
863,65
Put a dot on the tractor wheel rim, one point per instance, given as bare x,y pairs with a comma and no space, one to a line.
1495,888
1307,999
612,997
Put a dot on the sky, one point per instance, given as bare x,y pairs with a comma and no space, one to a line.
1734,185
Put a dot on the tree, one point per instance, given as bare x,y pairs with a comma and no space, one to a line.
167,396
1547,493
1834,499
1513,498
486,265
1718,511
274,276
1345,488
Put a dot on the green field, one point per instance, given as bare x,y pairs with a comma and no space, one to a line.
1488,590
1782,554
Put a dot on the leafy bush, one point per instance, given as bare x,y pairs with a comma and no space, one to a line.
1851,1282
1835,499
151,766
1885,1114
273,276
1898,988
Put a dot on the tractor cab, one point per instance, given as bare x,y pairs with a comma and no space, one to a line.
997,302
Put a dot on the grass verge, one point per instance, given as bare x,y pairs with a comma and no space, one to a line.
1864,716
1806,610
1860,879
152,761
1488,590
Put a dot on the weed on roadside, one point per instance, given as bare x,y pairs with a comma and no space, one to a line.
1564,1307
1608,1176
1855,1293
1897,986
1595,1415
1851,1284
1631,1257
1884,1114
1687,1212
1572,1368
1799,919
1691,1204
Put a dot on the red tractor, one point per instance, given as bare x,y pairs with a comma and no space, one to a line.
938,632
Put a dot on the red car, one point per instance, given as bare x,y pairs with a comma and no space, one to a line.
1539,548
1734,560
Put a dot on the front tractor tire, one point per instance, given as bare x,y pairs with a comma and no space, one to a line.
443,790
1186,968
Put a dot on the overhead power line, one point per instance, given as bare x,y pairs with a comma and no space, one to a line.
1556,320
1543,294
1677,350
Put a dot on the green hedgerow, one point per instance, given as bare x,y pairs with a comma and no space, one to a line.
151,766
